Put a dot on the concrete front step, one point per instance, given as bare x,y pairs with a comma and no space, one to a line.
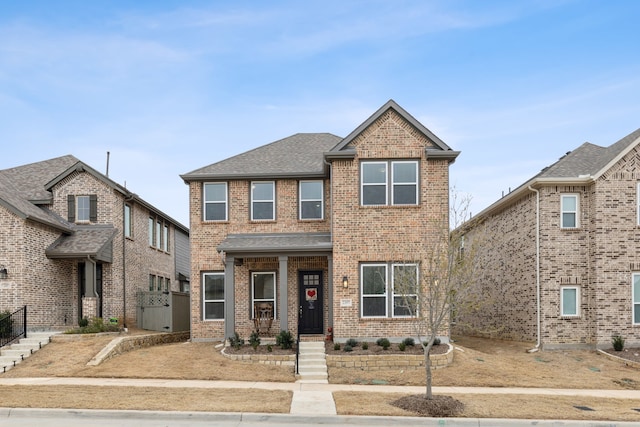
312,364
17,352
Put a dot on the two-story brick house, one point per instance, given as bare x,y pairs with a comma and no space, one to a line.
312,227
561,253
76,244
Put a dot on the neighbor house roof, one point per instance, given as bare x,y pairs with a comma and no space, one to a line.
23,189
581,166
87,240
300,155
276,243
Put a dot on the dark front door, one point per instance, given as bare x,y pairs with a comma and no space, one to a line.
311,312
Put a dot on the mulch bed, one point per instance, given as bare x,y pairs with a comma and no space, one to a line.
437,406
376,349
632,354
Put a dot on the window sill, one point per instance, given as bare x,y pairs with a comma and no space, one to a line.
213,320
390,206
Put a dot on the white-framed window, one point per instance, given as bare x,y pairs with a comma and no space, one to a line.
404,179
378,281
405,290
373,176
263,289
213,296
151,231
635,298
570,301
165,238
128,221
378,188
83,208
152,282
638,203
569,211
263,200
215,201
311,200
158,239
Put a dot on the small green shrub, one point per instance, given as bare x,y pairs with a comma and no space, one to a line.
254,340
235,341
409,342
435,342
269,348
336,346
95,326
6,327
365,345
384,343
402,346
352,342
348,348
618,342
285,340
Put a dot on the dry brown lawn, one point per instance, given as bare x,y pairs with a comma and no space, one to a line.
477,362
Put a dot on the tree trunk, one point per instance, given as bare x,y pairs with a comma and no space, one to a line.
427,366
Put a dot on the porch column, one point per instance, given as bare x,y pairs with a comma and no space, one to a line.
284,260
229,297
330,289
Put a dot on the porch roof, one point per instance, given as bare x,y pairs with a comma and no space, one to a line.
94,240
276,243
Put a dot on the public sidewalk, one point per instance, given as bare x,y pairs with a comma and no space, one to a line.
311,398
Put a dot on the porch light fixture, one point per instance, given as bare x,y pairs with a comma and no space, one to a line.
3,272
345,282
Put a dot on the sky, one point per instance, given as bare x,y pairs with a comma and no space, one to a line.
167,87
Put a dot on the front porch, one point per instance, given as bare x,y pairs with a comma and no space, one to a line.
284,278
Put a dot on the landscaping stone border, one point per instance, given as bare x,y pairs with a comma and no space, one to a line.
627,362
263,359
390,361
127,343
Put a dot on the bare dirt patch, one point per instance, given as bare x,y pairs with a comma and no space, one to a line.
477,362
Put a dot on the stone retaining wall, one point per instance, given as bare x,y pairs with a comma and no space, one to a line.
263,359
378,362
127,343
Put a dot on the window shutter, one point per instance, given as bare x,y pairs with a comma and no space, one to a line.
93,208
71,208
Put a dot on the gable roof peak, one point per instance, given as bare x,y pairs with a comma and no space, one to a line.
437,151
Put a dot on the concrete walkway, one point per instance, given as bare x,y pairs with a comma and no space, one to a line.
315,399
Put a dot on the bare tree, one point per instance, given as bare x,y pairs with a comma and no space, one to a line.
432,291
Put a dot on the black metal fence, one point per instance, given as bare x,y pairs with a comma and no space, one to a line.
13,326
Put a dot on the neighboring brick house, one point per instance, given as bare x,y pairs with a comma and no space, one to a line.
304,225
561,253
63,252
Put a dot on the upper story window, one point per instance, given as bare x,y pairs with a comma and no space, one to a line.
638,203
635,298
311,200
128,221
215,201
569,211
263,200
379,187
82,208
159,234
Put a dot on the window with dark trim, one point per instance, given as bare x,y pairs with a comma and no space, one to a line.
82,208
213,296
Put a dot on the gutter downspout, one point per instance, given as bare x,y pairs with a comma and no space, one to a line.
538,321
124,261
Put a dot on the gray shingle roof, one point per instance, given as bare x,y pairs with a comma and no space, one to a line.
296,156
276,242
86,240
30,179
588,159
